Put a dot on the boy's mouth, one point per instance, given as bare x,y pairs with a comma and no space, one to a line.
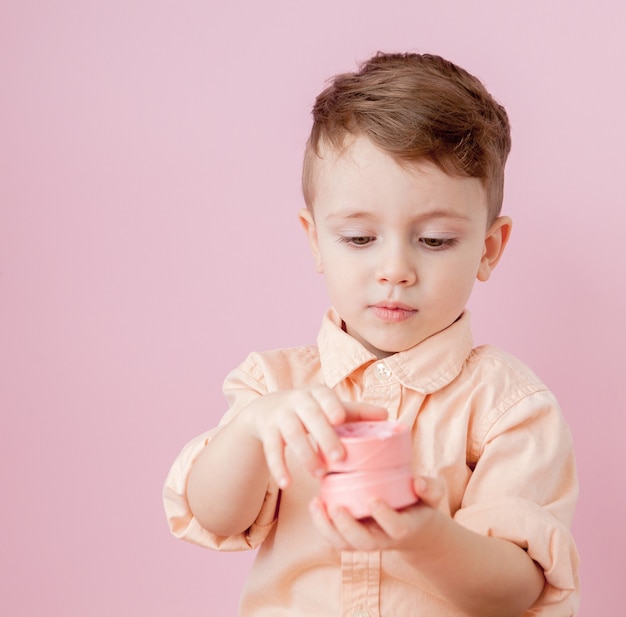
392,311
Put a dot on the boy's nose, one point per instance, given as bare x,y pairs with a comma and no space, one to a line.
397,269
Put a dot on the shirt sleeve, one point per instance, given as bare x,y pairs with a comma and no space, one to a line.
524,489
241,387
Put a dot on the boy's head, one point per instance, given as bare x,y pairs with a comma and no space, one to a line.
415,107
403,181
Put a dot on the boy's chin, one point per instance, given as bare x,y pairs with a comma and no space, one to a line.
380,345
385,350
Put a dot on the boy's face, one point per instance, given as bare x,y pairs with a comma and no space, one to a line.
400,246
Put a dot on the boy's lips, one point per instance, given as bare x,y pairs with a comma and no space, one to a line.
392,311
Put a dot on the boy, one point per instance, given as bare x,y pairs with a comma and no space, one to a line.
403,179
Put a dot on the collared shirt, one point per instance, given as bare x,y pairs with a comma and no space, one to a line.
480,420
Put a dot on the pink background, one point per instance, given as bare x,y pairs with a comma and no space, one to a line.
149,183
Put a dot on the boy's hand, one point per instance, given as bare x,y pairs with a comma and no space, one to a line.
479,574
413,528
303,419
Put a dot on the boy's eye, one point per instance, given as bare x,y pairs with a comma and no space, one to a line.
357,240
437,243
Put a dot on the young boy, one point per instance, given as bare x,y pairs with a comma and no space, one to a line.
403,180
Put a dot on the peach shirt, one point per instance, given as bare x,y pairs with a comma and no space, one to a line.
480,420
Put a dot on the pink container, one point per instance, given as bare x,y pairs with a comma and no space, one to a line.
376,466
356,490
373,445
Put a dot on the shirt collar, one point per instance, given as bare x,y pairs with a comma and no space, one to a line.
426,368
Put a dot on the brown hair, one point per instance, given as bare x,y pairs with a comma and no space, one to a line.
415,106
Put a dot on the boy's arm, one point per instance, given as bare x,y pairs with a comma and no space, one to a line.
229,479
481,575
522,492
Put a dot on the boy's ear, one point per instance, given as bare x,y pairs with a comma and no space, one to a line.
308,223
495,242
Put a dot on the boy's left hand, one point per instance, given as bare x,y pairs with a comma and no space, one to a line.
412,528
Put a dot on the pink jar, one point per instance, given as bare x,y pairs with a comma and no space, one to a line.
377,465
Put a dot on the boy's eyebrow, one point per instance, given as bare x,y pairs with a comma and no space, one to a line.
429,214
350,215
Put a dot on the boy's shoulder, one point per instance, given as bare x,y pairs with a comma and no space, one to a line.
283,367
300,354
496,361
500,381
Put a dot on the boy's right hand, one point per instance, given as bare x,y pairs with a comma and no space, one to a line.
303,420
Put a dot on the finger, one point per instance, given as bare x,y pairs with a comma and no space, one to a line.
337,412
320,418
324,525
396,524
430,491
359,535
274,449
333,408
296,436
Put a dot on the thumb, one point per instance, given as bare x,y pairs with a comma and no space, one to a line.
430,491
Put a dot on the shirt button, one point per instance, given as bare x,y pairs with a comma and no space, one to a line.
382,372
360,613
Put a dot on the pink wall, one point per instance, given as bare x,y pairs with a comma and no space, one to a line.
149,183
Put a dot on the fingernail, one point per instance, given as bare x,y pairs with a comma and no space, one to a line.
421,486
335,455
374,504
316,507
336,511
